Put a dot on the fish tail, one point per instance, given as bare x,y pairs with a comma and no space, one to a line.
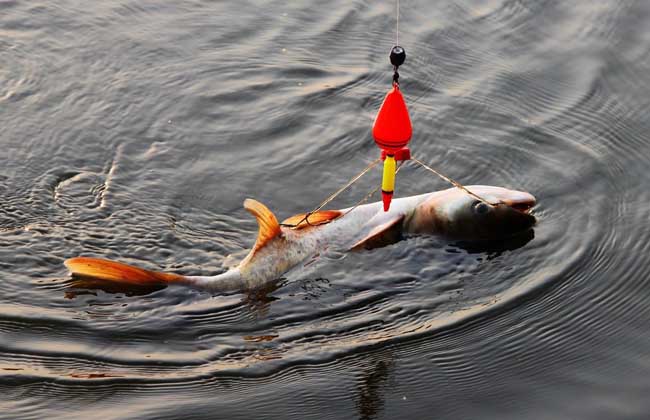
101,269
229,281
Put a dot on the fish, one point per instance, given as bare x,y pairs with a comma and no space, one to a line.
450,213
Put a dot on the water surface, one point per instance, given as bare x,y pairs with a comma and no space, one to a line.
134,131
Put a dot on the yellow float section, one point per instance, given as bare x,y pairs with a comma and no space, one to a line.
388,179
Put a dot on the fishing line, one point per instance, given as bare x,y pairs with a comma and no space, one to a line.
454,183
371,193
374,190
333,196
397,23
397,57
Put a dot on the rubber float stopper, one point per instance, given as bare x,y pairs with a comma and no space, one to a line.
397,56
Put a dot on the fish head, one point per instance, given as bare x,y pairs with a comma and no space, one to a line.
454,213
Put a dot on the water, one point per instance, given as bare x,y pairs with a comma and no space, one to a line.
134,131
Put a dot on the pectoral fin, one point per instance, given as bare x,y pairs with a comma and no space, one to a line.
385,234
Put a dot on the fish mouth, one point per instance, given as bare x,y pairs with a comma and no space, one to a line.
523,207
523,204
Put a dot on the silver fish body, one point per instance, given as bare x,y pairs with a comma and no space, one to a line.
451,213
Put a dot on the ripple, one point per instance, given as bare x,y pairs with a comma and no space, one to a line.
134,132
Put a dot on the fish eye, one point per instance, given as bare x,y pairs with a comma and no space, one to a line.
480,207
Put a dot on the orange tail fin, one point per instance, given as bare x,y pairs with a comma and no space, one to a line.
98,268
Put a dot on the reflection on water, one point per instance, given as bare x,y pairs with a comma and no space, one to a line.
371,388
496,248
85,286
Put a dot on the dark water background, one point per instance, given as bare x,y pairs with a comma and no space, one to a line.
134,130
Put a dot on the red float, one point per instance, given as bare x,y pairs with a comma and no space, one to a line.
392,132
392,127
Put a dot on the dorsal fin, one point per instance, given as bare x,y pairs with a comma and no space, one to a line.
269,227
316,218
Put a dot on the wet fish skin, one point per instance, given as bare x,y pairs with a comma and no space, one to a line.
451,213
